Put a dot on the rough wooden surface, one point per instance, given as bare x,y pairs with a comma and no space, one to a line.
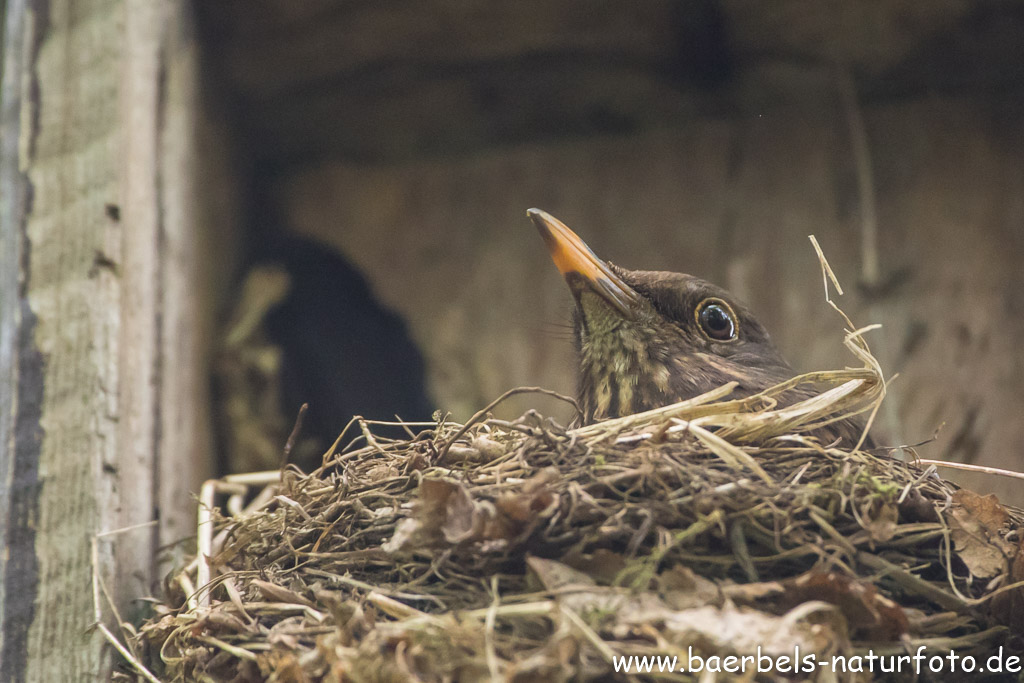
107,329
198,247
72,252
398,79
446,242
20,386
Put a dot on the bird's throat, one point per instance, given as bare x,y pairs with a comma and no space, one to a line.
620,371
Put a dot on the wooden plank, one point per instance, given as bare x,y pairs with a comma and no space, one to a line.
20,367
101,319
198,247
72,287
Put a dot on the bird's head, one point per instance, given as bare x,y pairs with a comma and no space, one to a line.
647,339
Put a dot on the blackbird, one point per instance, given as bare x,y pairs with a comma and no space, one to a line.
646,339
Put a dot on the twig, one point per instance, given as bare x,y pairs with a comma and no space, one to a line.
589,634
492,611
983,469
482,413
912,582
128,656
239,652
394,608
293,437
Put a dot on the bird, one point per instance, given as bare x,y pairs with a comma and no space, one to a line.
647,339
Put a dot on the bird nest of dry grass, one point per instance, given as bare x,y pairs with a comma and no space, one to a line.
524,550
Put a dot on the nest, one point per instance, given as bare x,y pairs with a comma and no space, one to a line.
524,550
528,551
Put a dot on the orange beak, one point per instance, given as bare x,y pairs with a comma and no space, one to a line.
579,265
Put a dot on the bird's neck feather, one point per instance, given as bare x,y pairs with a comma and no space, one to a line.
611,365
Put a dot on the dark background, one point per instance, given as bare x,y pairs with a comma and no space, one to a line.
407,138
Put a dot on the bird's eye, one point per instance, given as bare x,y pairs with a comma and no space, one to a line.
716,320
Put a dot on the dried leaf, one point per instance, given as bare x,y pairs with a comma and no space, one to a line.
461,454
977,524
518,511
223,620
405,536
446,513
463,518
488,448
729,629
602,565
430,523
681,588
1008,606
522,507
581,594
555,575
868,613
987,510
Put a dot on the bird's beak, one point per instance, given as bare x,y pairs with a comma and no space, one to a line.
578,264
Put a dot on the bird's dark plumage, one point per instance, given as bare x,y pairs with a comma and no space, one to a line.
646,339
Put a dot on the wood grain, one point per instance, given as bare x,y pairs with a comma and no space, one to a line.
108,332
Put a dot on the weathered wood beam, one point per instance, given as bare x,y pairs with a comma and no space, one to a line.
20,384
98,331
